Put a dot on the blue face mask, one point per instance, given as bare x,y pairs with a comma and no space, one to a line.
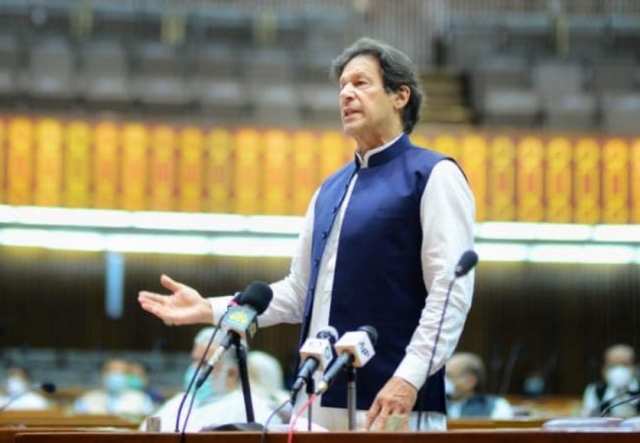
206,393
115,382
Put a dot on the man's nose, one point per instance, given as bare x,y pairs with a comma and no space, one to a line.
346,92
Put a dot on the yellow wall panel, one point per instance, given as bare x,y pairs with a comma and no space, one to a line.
20,161
420,140
276,175
2,158
615,181
635,181
190,171
501,196
530,180
447,145
106,165
332,149
248,177
305,177
48,183
134,167
587,181
162,168
77,164
220,172
558,194
473,160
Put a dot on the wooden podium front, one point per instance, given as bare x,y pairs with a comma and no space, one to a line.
477,436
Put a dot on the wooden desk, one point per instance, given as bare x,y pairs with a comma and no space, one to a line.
58,418
511,436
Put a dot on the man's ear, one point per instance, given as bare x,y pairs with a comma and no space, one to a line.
401,97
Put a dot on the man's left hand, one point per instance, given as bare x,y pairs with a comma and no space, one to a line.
396,397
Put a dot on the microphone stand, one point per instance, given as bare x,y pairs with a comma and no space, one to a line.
310,390
351,396
241,354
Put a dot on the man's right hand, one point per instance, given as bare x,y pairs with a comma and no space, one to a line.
184,306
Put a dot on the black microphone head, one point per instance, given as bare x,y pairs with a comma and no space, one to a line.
328,333
48,387
466,263
258,295
371,332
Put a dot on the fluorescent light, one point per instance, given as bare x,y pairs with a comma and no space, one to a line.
42,238
617,233
533,231
254,247
162,244
582,254
504,252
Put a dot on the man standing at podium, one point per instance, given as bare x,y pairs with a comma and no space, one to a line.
380,242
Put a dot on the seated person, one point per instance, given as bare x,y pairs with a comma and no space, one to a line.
116,397
19,392
619,378
138,380
465,377
219,400
266,375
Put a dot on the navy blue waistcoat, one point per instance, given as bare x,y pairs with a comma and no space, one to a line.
378,273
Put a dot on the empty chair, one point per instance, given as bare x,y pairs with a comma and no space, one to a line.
276,103
319,102
554,78
223,97
216,61
613,75
511,107
621,113
159,79
268,65
499,71
104,72
51,71
571,111
8,64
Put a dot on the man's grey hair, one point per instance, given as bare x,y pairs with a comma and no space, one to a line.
397,70
473,365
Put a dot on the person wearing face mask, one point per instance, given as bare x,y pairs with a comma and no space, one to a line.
219,400
138,380
19,392
620,379
116,396
464,384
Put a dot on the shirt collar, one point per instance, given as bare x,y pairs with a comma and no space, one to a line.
363,160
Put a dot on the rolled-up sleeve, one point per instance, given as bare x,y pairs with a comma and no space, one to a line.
447,212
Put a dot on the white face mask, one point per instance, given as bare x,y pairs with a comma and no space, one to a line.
619,376
16,386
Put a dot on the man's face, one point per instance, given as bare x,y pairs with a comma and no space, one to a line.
365,106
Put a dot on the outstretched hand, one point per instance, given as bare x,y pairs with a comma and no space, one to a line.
184,306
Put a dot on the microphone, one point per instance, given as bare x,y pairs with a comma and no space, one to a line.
466,263
317,354
240,321
47,387
354,348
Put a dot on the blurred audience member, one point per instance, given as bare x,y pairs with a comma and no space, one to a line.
19,392
219,400
465,378
266,375
138,380
116,397
620,378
